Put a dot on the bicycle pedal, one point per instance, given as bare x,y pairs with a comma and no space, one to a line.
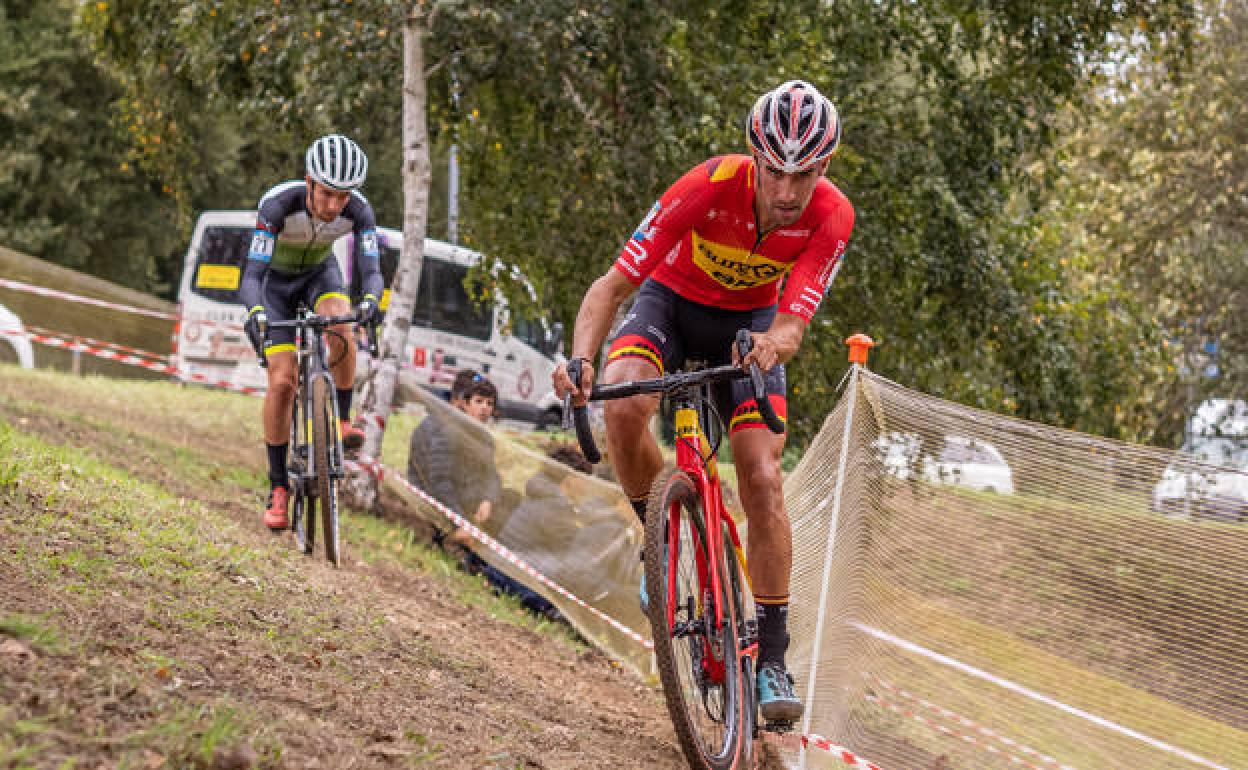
778,725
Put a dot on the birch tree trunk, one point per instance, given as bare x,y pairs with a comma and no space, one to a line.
377,392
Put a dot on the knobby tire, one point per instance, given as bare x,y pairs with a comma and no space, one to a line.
324,433
303,505
710,718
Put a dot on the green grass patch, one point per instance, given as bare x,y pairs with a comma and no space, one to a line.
376,540
192,736
37,631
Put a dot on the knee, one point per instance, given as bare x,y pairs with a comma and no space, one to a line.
282,383
627,417
759,474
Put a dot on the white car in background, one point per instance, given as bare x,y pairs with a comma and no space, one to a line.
14,342
959,461
1207,480
970,463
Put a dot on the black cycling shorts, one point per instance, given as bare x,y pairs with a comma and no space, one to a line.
668,330
284,292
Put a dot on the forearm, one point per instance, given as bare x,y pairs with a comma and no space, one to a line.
250,289
371,281
786,335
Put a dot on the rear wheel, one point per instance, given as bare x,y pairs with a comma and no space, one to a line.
324,438
697,656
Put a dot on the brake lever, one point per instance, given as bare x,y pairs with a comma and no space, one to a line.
574,374
745,343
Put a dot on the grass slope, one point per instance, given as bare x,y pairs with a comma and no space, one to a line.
146,621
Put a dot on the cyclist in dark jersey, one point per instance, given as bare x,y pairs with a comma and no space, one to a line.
709,259
291,263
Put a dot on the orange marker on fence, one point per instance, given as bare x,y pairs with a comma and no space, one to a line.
859,345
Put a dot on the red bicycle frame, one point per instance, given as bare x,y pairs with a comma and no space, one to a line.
694,457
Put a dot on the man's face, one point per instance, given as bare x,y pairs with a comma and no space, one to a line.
781,198
325,203
478,407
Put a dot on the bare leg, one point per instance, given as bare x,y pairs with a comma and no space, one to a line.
632,449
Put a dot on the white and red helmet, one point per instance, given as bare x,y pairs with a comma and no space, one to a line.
793,127
336,161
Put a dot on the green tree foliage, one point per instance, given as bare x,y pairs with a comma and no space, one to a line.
1147,196
237,90
69,189
572,117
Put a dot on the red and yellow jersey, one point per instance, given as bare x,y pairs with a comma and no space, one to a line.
701,240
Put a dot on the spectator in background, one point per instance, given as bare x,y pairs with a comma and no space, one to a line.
460,474
455,464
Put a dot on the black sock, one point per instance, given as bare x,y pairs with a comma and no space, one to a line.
277,465
344,403
639,505
773,628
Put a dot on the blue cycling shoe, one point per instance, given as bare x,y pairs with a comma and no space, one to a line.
776,698
645,599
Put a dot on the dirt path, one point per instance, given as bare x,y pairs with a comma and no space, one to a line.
369,667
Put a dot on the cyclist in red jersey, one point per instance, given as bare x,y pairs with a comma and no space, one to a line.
710,258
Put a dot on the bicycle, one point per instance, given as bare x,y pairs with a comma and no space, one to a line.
316,460
705,644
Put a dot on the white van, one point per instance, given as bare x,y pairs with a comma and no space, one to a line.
449,330
1208,478
14,342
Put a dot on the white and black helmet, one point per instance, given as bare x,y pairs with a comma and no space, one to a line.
793,127
336,161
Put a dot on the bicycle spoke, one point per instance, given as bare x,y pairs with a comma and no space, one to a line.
324,439
697,656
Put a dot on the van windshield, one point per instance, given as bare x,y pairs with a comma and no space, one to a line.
444,303
219,262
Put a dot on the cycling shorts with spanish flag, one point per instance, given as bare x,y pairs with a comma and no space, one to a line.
667,330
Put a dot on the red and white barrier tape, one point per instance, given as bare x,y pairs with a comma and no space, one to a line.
950,733
81,346
965,722
99,343
846,756
19,286
368,465
69,343
511,557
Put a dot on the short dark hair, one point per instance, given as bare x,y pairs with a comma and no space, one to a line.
480,387
463,379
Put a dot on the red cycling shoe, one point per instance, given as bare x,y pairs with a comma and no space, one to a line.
352,437
275,517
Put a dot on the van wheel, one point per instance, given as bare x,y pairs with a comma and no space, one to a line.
551,418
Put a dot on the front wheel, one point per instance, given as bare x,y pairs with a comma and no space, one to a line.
303,521
324,452
303,505
697,656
